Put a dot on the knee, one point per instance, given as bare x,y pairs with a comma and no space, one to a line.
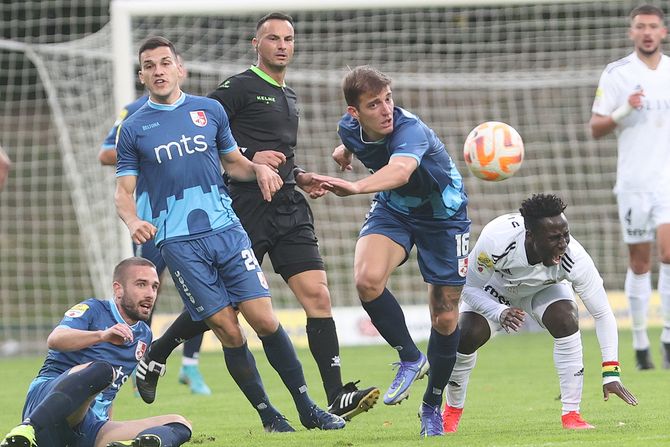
316,301
475,332
179,419
664,255
444,307
561,318
640,267
266,325
229,333
369,285
105,370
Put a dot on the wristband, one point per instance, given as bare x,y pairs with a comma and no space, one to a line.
611,369
622,112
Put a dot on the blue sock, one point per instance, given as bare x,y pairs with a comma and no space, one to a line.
388,318
173,434
192,347
281,355
442,357
242,367
182,328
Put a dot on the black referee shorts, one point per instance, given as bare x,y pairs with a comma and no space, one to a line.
282,228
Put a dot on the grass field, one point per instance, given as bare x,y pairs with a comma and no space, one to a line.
511,401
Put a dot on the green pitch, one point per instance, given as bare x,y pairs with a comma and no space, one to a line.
512,401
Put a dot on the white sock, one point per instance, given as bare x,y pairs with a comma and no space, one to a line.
458,382
188,361
570,367
664,292
638,291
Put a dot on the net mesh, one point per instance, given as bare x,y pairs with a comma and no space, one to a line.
533,66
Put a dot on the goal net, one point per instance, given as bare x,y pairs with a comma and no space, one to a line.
534,65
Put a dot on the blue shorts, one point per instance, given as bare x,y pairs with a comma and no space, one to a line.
149,251
215,271
441,244
81,435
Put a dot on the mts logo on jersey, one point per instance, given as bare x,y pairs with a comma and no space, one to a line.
184,146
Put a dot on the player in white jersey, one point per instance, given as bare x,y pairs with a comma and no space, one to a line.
633,101
525,264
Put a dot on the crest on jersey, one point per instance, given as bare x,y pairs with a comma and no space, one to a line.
463,267
140,350
199,118
77,311
484,262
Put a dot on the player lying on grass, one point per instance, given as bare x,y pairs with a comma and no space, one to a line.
524,264
91,354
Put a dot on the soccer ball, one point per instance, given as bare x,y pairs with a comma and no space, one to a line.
493,151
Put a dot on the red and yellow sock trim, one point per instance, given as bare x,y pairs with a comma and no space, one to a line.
611,369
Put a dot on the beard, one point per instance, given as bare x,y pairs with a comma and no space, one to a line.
648,53
133,311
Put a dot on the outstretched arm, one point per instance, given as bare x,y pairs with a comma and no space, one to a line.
396,173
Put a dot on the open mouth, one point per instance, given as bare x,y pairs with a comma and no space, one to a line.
146,307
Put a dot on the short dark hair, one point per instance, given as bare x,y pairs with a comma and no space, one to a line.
363,79
153,42
121,269
649,10
273,16
540,206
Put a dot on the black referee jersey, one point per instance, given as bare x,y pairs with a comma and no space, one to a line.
263,116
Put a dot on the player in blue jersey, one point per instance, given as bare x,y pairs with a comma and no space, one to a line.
419,201
189,374
176,144
91,354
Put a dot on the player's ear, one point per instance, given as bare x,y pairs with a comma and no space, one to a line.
254,43
141,77
351,110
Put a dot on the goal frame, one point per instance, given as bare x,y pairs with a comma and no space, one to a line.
123,11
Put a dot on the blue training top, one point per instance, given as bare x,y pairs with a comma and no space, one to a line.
434,190
110,139
174,149
98,315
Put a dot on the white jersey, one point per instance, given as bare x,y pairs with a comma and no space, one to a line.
643,137
499,276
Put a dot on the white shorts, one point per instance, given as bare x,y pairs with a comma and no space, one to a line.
640,213
533,305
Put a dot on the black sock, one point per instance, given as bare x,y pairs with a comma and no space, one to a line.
442,357
183,328
281,355
387,316
192,347
242,367
322,340
70,394
173,434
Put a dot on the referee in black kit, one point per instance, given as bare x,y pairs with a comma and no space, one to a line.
263,118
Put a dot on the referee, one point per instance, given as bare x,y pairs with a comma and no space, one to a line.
263,117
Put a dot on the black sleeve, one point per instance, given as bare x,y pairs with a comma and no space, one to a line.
232,96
